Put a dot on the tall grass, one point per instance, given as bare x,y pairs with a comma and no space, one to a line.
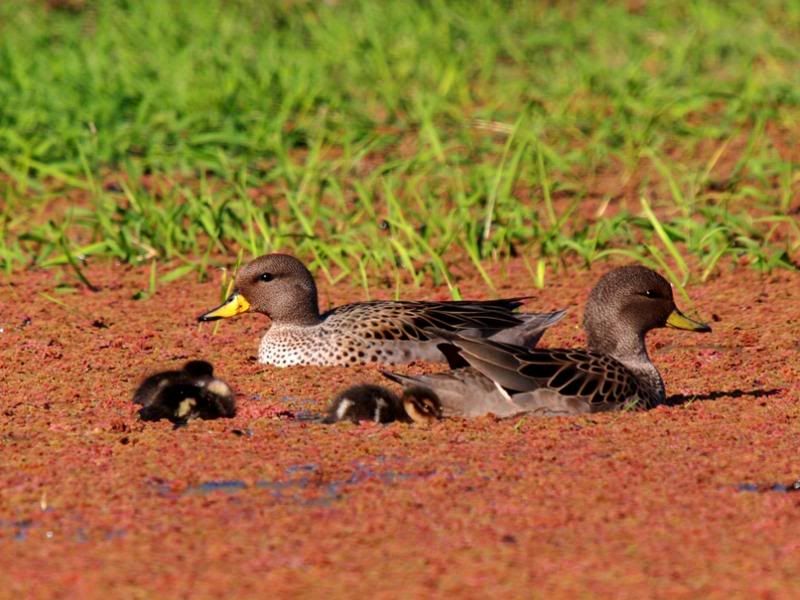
400,137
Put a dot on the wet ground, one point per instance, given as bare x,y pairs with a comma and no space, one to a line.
693,499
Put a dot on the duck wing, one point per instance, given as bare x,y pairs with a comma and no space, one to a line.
597,379
414,321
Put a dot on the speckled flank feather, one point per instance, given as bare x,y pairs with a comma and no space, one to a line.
506,379
280,287
387,332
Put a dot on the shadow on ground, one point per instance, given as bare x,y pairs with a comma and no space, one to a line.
679,399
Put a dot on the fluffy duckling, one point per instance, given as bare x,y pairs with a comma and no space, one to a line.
365,402
191,393
421,404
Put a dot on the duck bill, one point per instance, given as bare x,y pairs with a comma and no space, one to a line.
234,305
678,320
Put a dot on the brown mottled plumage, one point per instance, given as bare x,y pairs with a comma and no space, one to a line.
390,332
421,404
365,402
615,372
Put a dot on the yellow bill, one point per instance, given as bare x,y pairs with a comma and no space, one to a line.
185,407
678,320
235,305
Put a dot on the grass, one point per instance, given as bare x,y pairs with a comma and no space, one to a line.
400,138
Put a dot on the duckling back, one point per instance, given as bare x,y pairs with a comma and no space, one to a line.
365,402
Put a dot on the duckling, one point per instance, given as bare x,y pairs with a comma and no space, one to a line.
421,404
191,393
365,402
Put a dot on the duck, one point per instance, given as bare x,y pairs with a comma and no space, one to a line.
193,392
382,331
369,402
615,371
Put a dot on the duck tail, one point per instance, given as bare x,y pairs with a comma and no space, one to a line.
531,330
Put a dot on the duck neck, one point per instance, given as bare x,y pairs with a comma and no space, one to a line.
308,312
652,385
305,314
300,307
631,351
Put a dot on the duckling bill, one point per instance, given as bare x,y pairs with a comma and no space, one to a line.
421,404
192,392
391,332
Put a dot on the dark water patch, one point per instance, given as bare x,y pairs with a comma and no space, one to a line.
21,529
162,487
300,409
81,536
279,486
308,416
302,485
223,485
115,534
364,472
300,491
302,468
295,492
301,416
65,525
761,488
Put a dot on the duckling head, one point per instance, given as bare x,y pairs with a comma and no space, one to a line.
421,404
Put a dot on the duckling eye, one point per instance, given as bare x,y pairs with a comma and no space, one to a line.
266,277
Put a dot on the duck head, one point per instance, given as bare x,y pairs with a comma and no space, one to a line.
628,302
277,285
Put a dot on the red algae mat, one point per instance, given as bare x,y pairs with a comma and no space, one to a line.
682,501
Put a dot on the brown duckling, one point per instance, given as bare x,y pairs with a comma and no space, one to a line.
367,402
421,404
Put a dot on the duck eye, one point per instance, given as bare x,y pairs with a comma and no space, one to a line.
650,294
266,277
